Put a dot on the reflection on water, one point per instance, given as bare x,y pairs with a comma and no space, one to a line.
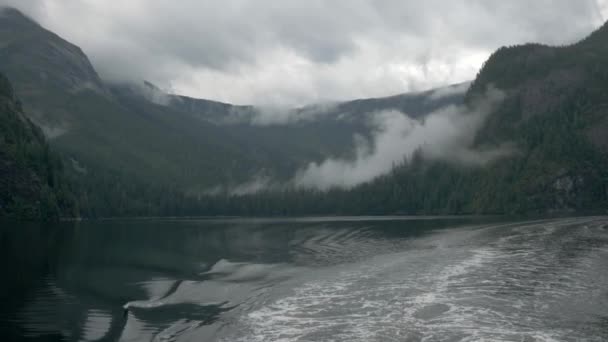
335,279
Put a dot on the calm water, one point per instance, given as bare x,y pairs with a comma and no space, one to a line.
306,280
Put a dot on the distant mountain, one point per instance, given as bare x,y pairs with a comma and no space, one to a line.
117,135
32,182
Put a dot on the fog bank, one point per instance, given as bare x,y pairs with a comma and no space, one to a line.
446,134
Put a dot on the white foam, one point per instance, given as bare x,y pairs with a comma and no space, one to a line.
96,325
454,289
347,306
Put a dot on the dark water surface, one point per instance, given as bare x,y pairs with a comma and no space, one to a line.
335,279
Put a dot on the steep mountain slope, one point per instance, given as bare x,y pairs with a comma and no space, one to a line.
32,184
44,68
557,113
174,142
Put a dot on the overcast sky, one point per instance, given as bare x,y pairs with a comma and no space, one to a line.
292,52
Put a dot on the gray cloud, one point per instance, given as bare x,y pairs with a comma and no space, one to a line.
256,184
280,115
446,134
153,94
450,91
297,52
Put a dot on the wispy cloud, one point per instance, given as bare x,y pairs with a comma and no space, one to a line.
446,134
449,91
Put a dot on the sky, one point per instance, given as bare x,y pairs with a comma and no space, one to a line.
296,52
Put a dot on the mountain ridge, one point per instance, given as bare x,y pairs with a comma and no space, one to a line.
136,150
116,138
93,77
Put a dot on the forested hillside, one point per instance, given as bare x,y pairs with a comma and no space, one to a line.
32,180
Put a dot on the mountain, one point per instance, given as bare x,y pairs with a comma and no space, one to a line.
555,117
132,149
44,68
557,113
123,138
32,183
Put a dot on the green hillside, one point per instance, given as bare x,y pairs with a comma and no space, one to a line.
32,180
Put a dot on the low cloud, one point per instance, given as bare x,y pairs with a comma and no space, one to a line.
443,92
267,116
446,134
154,94
272,115
255,185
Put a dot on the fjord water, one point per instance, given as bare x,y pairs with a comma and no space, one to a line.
326,279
